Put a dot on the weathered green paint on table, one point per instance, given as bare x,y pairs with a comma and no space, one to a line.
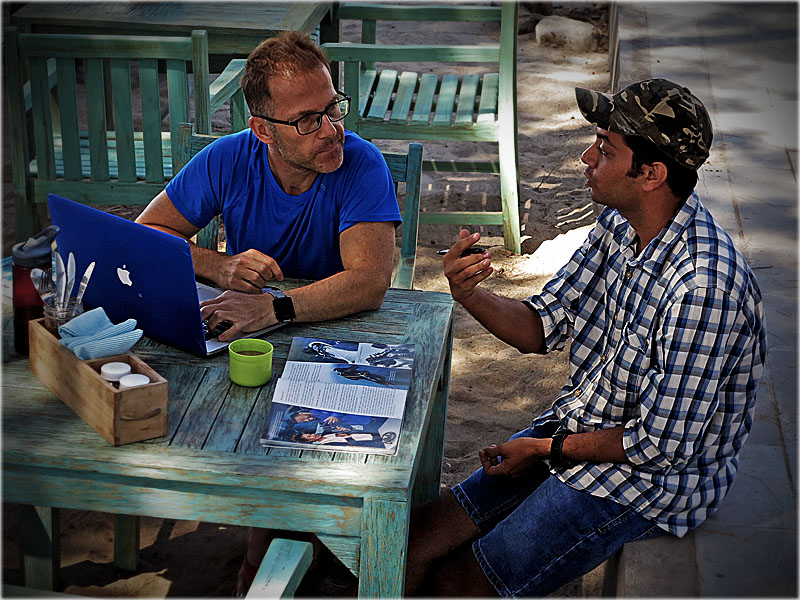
211,467
233,27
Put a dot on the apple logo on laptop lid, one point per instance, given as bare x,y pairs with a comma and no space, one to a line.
124,276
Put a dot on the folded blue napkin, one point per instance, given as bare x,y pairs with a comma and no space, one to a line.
93,335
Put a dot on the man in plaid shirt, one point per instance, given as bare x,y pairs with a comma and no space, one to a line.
667,347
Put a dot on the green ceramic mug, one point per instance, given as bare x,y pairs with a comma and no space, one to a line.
250,362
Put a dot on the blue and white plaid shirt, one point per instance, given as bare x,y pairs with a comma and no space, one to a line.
669,344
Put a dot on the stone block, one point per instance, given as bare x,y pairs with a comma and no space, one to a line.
746,562
570,34
664,566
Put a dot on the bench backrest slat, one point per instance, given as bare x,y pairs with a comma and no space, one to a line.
42,119
123,119
151,120
177,93
68,107
96,114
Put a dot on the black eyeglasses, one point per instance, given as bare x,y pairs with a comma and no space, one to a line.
335,111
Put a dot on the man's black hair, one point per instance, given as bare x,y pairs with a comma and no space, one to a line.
681,180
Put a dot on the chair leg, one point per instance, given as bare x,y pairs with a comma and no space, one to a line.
509,193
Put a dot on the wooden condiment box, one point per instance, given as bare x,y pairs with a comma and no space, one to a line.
120,416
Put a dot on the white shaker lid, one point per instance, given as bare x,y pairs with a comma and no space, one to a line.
129,381
113,371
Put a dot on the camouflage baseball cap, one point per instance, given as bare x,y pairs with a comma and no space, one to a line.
665,113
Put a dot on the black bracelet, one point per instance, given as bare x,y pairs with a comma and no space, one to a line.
557,458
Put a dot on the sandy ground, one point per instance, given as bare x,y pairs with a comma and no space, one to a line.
495,390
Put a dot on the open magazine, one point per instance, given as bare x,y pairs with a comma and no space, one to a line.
340,396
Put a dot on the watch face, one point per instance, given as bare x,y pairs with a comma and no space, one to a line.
284,309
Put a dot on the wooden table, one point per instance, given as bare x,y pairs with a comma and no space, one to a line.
211,466
233,27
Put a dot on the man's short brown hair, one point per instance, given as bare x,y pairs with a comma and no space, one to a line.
287,54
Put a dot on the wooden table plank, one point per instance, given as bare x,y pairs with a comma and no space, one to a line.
201,413
177,471
232,419
182,384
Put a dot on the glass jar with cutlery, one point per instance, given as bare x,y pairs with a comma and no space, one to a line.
31,269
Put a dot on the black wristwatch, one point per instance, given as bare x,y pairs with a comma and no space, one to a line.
557,458
282,305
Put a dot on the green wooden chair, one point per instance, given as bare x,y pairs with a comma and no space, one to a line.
46,74
414,106
405,168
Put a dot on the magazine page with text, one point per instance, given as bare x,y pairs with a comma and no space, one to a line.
340,396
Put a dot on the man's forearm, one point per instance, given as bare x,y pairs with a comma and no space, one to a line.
341,294
603,445
509,320
514,457
206,262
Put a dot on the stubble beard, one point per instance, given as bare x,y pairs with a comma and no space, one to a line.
316,163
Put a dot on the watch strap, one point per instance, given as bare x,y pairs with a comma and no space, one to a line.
282,305
557,458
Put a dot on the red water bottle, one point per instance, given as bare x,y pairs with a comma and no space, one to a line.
27,256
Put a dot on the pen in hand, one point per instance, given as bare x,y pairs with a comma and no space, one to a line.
467,252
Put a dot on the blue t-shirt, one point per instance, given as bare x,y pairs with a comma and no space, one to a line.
232,177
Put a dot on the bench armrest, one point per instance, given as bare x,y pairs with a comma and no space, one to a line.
227,84
282,569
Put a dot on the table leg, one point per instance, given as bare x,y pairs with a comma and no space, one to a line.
429,473
40,548
126,542
384,545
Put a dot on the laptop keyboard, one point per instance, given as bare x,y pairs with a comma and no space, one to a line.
214,333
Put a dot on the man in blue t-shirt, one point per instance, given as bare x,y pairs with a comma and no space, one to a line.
299,196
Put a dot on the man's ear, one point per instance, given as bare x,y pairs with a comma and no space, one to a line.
259,127
654,176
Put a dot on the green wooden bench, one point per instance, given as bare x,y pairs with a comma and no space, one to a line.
414,106
405,168
52,80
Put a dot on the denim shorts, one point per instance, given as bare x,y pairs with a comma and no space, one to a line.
538,533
